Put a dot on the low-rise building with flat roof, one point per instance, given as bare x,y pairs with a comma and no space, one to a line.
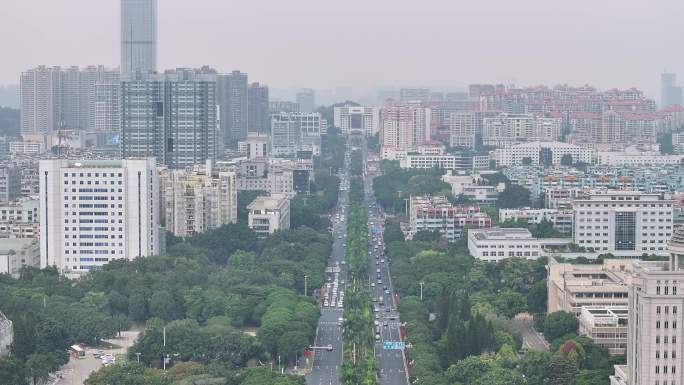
573,286
438,214
269,214
495,244
606,326
16,253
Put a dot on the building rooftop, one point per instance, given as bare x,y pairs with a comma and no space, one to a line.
272,202
497,233
7,244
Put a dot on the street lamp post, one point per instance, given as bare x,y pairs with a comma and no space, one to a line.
305,284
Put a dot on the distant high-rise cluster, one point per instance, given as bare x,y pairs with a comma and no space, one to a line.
74,97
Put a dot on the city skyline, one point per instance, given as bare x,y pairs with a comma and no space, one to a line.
537,35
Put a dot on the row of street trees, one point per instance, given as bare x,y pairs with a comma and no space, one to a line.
359,365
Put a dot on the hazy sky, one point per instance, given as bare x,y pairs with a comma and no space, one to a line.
366,43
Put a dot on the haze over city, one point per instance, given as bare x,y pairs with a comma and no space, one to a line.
437,192
364,44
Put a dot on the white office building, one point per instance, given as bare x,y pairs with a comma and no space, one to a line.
637,159
623,222
541,153
357,120
655,333
96,211
269,214
494,244
257,145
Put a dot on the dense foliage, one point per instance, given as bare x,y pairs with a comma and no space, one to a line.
188,373
206,289
397,184
359,365
513,196
463,331
356,164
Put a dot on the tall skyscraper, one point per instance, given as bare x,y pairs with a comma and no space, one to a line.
96,211
306,98
259,118
670,93
138,36
170,116
233,106
50,94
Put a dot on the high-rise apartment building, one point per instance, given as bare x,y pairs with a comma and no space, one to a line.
462,127
670,92
259,117
623,222
108,105
306,99
50,95
138,36
170,116
292,132
357,119
233,101
404,126
655,333
194,201
513,128
96,211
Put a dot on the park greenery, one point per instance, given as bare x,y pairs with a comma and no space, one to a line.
464,330
188,373
205,292
356,164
